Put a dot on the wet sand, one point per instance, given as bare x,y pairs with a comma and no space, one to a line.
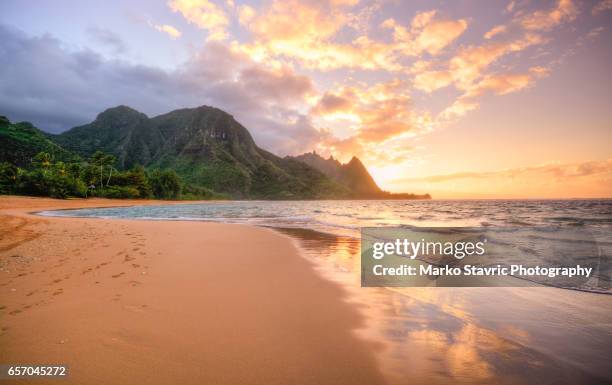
500,335
156,302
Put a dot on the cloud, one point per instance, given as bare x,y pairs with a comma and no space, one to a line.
557,171
246,13
499,84
505,83
57,89
427,34
205,15
499,29
330,103
564,11
469,64
302,32
371,119
108,38
168,29
602,6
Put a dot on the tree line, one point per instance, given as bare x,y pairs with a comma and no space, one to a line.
95,177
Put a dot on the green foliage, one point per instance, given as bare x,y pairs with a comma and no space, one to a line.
120,192
8,178
191,192
20,142
165,184
50,183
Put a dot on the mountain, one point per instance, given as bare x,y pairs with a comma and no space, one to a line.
353,175
206,146
20,142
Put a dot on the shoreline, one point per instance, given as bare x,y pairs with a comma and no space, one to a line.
170,301
281,229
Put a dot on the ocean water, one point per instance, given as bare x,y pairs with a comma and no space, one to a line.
500,335
346,217
546,232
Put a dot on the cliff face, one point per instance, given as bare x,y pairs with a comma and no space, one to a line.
206,146
353,174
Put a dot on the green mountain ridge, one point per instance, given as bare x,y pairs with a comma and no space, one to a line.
206,147
20,142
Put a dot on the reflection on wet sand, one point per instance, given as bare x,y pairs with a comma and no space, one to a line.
472,335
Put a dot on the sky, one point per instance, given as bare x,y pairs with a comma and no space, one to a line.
460,99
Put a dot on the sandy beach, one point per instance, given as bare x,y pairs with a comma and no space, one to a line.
160,302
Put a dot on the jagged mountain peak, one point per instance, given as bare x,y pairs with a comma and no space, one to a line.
353,174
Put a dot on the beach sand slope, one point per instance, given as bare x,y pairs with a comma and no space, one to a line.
161,302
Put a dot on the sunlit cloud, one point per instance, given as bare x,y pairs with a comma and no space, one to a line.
205,14
555,170
602,6
468,64
499,29
564,11
168,29
427,34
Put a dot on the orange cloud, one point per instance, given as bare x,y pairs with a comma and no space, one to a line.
427,33
602,6
204,14
502,84
304,32
495,31
557,171
380,119
468,65
564,11
169,30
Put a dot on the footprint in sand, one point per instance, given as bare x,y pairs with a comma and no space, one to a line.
135,308
16,311
118,275
58,292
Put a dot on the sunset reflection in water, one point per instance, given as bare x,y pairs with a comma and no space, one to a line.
471,335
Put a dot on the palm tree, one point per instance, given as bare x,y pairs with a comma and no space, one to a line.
103,160
43,160
61,168
109,161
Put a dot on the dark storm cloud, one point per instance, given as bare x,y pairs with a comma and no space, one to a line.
107,38
57,89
